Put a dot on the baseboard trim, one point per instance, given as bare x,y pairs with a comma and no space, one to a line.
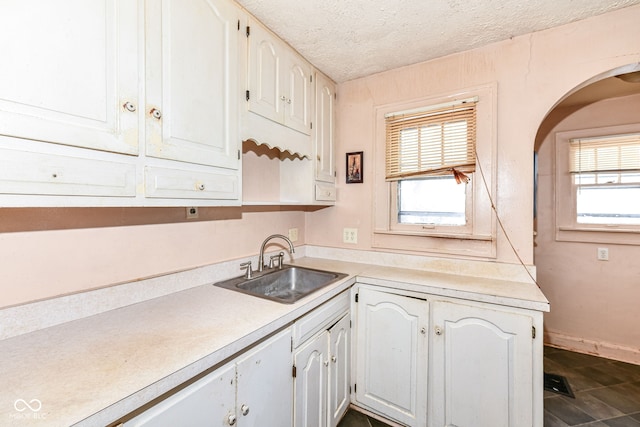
596,348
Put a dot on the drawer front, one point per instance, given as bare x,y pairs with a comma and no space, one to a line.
188,184
325,192
33,173
320,318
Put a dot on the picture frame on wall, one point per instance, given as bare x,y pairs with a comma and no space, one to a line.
355,167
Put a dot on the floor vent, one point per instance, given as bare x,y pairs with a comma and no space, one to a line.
557,384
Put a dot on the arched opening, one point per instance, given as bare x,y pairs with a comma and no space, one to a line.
593,300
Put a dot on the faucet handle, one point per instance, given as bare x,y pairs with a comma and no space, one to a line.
247,266
279,258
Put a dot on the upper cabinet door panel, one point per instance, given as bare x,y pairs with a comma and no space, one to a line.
68,69
192,95
298,95
324,130
265,57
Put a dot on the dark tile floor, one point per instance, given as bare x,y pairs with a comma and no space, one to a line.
356,419
607,392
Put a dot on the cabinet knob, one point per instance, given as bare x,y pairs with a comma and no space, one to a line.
289,101
244,409
438,330
201,187
282,98
326,363
423,331
129,106
155,113
231,419
334,359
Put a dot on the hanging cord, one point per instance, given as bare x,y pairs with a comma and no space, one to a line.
504,231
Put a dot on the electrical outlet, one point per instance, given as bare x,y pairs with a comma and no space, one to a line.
350,235
603,254
192,213
293,234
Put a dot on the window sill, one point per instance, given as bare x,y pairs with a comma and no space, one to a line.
467,245
440,235
613,235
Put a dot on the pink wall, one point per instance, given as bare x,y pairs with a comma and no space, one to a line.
531,73
43,264
594,303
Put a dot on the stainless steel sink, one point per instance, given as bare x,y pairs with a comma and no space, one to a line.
286,285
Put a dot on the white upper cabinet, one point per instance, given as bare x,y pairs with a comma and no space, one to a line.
279,81
324,129
192,92
120,103
69,73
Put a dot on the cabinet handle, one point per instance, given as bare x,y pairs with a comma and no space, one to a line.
334,359
244,409
155,113
129,106
231,419
438,330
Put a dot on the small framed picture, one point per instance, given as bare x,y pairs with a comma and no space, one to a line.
354,167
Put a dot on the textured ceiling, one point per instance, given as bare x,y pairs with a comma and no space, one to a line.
347,39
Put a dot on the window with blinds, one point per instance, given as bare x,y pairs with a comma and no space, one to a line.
431,142
606,177
615,153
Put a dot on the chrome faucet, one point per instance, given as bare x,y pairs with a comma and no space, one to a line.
264,244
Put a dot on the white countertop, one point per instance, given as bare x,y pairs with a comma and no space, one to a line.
95,370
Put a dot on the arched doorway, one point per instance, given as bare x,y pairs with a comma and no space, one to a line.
593,301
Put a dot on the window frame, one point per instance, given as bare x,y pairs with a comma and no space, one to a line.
477,238
465,229
565,193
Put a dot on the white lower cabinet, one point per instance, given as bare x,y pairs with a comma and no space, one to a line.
391,355
447,362
254,390
482,367
322,371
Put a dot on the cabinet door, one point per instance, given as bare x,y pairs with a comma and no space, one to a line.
324,128
482,367
265,384
209,401
310,383
192,81
339,369
265,69
297,83
68,69
391,360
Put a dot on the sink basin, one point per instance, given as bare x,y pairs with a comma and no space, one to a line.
286,285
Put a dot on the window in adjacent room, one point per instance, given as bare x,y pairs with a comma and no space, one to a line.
605,175
430,163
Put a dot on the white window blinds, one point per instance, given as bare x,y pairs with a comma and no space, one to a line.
431,142
613,153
